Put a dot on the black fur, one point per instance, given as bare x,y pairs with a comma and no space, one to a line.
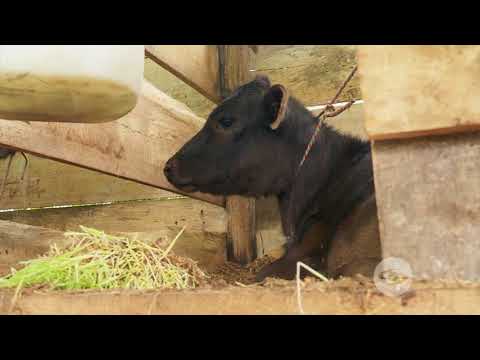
336,177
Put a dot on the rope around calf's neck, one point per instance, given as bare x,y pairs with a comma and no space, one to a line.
329,111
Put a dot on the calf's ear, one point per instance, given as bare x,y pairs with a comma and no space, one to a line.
276,102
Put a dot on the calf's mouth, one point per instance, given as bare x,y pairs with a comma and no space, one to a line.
188,188
171,173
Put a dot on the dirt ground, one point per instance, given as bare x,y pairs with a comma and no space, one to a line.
235,274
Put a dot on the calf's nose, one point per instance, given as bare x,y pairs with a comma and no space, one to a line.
169,168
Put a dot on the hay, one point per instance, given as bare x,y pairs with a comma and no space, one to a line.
96,260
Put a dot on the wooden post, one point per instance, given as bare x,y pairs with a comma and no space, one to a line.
241,239
427,187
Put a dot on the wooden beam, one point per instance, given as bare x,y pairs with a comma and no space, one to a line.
148,216
241,239
416,90
49,183
134,147
196,65
343,297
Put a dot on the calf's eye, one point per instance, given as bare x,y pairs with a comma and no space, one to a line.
226,122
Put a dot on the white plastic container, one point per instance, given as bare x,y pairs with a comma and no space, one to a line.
69,83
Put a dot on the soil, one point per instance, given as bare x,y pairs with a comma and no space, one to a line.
235,274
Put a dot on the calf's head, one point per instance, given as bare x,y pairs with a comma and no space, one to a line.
242,148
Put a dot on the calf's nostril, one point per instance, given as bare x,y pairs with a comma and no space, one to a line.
168,168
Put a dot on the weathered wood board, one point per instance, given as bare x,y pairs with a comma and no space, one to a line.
20,242
335,298
269,232
196,65
52,183
203,239
312,73
418,90
428,201
134,147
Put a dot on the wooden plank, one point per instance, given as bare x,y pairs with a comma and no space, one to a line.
429,203
269,231
52,183
241,239
134,147
312,73
413,90
20,242
196,65
333,298
203,239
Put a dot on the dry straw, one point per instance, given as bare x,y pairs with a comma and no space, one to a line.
96,260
